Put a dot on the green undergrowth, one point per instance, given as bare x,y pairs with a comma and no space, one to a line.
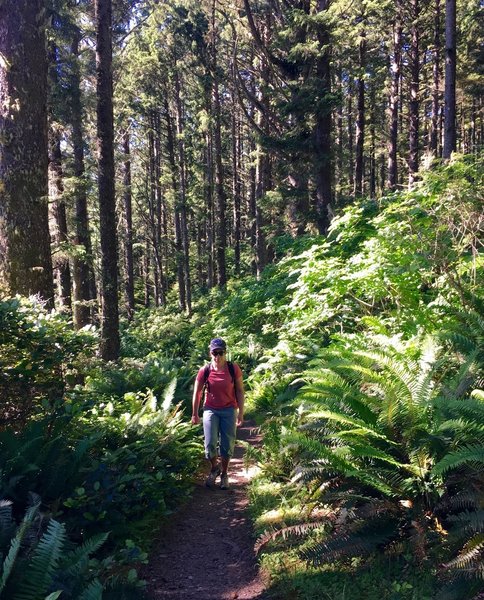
362,354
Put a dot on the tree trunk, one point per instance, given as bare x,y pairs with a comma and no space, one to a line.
351,164
221,240
209,241
183,195
236,183
182,302
25,255
372,141
109,345
152,209
392,170
360,119
56,191
161,247
414,104
434,126
128,225
84,288
340,140
450,75
322,132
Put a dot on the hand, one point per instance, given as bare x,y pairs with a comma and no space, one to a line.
195,419
240,419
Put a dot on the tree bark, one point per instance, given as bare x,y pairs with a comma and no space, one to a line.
322,132
128,225
360,118
183,194
414,104
434,126
84,286
392,171
236,183
110,343
450,76
351,163
182,302
25,254
56,191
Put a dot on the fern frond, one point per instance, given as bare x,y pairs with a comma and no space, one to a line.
465,455
44,562
169,395
469,554
470,520
299,530
346,545
368,451
11,557
460,501
347,420
463,429
54,595
74,562
93,592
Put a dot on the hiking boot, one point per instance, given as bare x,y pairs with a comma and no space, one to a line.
212,476
224,482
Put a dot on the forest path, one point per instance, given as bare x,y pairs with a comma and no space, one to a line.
206,551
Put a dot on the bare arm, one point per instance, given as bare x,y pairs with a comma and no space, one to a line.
239,390
197,392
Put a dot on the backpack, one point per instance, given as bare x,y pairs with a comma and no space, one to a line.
206,375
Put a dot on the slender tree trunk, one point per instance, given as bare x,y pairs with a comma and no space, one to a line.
414,105
450,75
161,250
221,241
372,142
152,203
109,345
236,183
183,195
360,119
128,225
434,127
25,255
56,189
394,100
351,163
340,139
182,302
323,171
84,288
252,204
209,238
56,192
146,272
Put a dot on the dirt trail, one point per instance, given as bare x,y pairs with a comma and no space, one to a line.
206,551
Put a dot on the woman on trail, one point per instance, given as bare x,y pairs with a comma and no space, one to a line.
223,409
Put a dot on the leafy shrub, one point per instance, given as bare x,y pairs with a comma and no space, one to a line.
40,355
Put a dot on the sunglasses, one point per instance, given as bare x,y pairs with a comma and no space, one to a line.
218,352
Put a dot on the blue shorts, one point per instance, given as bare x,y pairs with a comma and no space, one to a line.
219,424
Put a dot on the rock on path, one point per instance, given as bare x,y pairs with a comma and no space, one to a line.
206,551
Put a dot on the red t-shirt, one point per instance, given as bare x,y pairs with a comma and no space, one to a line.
220,390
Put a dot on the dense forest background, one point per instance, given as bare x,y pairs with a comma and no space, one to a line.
302,178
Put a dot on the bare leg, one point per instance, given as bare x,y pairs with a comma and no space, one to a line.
214,462
225,464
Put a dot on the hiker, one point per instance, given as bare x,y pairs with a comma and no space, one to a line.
223,409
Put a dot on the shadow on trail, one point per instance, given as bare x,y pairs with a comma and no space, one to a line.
206,551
